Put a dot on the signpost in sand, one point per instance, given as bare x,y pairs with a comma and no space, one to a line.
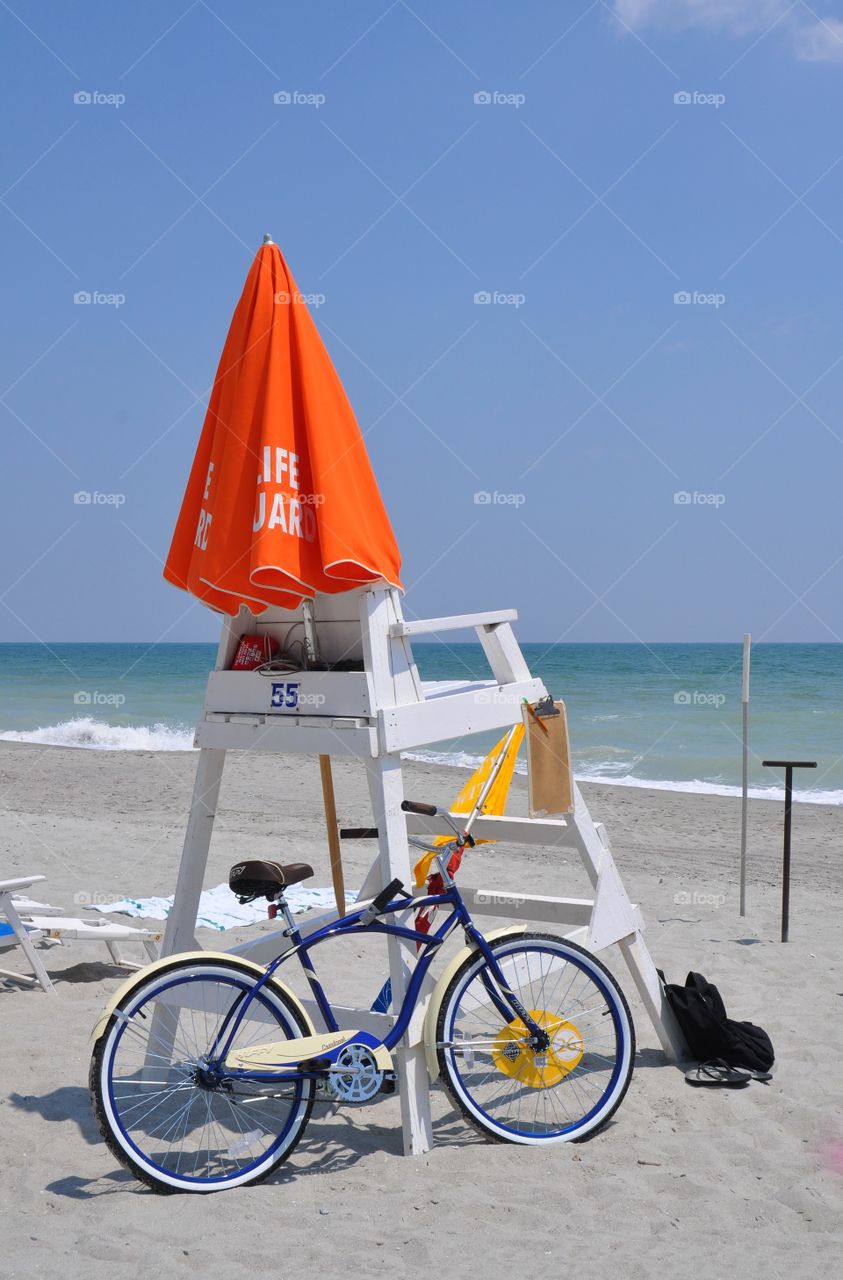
788,766
305,566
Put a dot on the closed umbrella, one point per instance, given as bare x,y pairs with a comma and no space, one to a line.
282,503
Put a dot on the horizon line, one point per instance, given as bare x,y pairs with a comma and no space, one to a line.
549,644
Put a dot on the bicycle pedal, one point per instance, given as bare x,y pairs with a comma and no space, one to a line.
390,1083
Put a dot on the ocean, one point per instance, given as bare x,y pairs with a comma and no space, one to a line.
661,715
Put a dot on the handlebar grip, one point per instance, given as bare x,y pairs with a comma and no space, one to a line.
381,900
387,894
416,806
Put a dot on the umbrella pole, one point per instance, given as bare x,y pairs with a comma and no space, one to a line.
333,831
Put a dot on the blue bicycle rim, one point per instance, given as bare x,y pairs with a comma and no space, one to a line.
220,1180
554,1134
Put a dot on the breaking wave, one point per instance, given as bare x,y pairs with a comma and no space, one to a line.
96,735
601,773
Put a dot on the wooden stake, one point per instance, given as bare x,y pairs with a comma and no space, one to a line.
333,832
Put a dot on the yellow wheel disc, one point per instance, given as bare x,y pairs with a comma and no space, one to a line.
513,1057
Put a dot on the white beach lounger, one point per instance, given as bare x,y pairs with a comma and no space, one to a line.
25,906
24,922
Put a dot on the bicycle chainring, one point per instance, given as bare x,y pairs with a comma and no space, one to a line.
360,1077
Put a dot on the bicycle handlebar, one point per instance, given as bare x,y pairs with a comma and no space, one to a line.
416,806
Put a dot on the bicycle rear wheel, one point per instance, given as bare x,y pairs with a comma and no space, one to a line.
504,1087
166,1121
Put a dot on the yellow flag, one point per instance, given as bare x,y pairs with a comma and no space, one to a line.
470,793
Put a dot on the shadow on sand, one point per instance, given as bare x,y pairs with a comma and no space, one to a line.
84,972
332,1143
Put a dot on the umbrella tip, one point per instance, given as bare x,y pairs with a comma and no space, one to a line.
268,239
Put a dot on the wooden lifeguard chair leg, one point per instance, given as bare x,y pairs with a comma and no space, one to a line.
593,846
386,789
640,964
180,933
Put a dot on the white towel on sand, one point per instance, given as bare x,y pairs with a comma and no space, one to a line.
219,909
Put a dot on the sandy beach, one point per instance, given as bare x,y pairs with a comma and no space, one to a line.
701,1183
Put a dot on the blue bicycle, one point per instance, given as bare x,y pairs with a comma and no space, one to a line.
206,1066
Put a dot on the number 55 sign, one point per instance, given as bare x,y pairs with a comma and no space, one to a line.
285,695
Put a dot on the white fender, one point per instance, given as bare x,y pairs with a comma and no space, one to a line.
143,974
442,984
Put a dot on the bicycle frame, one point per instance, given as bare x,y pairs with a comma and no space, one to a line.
428,943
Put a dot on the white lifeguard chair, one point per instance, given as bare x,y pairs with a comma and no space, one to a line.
372,706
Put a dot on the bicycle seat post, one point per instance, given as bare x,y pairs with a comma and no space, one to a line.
280,904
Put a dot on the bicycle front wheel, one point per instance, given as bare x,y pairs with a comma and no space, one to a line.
512,1091
161,1113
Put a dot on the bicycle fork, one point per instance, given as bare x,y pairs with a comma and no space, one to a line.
503,997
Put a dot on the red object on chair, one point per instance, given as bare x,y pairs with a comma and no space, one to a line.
252,652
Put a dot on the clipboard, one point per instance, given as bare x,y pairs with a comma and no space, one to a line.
549,773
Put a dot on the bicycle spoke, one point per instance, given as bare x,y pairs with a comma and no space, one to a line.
526,1090
170,1109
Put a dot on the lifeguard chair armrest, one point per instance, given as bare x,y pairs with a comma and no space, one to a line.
426,626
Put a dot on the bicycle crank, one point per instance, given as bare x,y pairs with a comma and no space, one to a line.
356,1075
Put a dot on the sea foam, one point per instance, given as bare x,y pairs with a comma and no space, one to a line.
96,735
465,760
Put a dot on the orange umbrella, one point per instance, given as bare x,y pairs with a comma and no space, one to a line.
281,502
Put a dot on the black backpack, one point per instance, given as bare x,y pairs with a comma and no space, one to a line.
701,1015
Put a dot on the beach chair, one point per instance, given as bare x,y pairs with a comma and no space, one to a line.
28,924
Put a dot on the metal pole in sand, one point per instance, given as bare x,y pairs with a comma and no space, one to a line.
788,766
747,644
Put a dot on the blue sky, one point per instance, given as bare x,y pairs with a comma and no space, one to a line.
648,195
